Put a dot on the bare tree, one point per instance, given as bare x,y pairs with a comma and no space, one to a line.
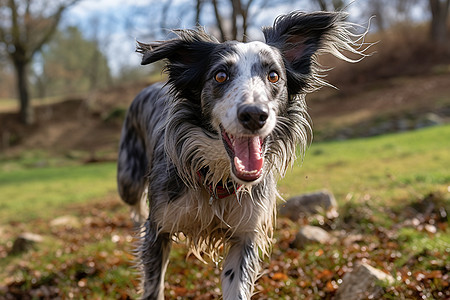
331,4
439,16
390,12
378,9
25,27
240,10
231,19
243,13
219,21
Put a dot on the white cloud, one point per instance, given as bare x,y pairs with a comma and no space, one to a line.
89,6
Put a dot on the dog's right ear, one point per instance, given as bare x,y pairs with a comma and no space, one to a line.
187,60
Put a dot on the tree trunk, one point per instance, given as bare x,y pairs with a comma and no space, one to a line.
198,10
323,5
377,8
439,16
244,12
234,20
26,110
338,5
219,21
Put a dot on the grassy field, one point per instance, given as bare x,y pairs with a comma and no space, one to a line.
10,104
46,192
388,168
381,184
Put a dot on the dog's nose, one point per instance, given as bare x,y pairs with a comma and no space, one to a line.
253,117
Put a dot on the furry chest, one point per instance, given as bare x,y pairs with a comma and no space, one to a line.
195,215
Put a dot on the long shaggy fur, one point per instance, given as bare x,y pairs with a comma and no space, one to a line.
207,147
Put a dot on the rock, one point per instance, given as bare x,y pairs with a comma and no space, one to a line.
311,234
363,283
353,238
25,242
2,232
308,204
430,119
66,221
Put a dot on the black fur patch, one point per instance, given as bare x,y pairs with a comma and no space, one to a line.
175,185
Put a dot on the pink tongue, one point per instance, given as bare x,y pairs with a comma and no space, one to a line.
248,161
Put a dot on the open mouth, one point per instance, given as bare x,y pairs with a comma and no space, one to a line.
246,154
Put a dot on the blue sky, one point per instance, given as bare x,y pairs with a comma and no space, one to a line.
119,23
109,19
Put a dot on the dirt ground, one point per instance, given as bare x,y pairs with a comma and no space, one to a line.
91,124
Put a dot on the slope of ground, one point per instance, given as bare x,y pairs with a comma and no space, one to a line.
92,125
353,111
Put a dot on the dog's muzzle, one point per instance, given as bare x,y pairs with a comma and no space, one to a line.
246,152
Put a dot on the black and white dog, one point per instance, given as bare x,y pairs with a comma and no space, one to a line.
200,155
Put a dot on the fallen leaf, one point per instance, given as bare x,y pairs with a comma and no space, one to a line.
279,276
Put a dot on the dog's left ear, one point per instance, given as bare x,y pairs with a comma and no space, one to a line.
299,36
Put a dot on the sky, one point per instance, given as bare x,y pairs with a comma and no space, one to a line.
118,24
109,19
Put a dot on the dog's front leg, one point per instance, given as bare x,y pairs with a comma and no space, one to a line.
154,253
240,270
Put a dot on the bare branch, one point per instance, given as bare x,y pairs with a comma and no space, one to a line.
219,20
198,10
54,21
164,12
23,33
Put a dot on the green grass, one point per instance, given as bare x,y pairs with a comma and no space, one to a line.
40,192
10,104
385,168
416,242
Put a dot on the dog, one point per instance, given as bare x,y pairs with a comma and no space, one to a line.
200,154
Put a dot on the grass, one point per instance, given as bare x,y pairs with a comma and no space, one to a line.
9,104
384,168
373,179
32,193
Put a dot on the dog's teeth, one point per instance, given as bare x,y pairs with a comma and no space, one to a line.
238,164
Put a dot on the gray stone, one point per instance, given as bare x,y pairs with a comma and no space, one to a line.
309,204
66,221
2,232
363,283
311,234
25,242
430,119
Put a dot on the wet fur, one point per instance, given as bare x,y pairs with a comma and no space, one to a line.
172,131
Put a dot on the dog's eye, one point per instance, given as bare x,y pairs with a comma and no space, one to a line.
221,77
273,77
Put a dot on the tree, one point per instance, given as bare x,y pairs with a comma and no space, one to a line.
439,16
72,63
25,27
231,18
387,13
239,17
331,4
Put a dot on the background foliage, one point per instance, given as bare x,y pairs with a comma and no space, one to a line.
380,146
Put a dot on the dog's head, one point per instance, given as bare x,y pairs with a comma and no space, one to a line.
245,89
